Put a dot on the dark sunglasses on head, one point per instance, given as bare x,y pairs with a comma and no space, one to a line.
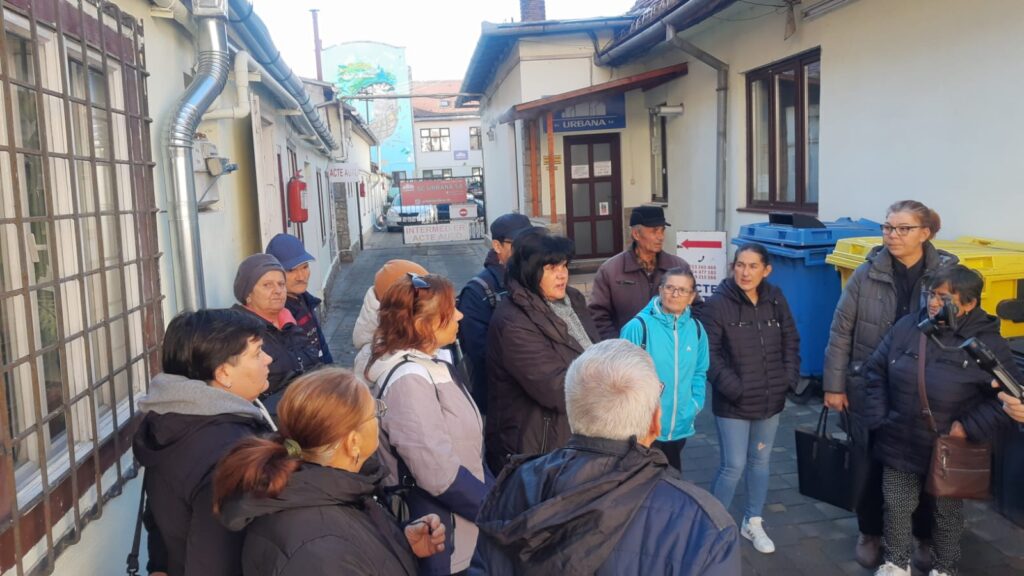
418,282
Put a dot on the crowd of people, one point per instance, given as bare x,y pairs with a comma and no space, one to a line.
513,427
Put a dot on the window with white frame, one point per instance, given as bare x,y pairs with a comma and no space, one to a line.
474,138
435,140
80,318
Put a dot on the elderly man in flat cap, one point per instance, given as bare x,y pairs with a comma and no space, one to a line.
626,282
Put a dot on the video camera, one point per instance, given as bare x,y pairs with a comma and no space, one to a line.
976,349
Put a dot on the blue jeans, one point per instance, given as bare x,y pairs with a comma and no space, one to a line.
743,442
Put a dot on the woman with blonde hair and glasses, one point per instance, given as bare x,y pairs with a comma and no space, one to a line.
305,497
432,435
885,288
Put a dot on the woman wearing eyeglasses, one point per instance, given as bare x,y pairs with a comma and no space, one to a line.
755,359
679,347
305,496
884,289
432,435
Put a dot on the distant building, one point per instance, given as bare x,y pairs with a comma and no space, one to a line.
449,141
369,68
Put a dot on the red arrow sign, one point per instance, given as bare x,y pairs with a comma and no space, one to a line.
688,244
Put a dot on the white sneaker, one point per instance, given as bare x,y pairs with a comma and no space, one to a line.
935,572
890,569
753,530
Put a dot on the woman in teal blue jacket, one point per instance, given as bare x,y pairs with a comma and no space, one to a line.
679,347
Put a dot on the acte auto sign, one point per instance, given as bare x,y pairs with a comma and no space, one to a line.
425,192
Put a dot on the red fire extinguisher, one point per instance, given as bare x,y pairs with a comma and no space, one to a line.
297,200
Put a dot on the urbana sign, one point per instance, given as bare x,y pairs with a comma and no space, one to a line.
601,114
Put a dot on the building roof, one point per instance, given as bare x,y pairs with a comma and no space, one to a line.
424,108
642,81
497,41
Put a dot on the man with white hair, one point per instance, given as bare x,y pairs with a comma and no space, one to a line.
605,504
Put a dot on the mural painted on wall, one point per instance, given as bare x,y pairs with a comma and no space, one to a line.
371,68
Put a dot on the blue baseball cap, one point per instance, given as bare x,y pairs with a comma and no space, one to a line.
289,251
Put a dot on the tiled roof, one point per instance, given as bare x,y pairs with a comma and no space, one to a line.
439,107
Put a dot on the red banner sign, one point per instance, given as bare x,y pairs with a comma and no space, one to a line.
423,192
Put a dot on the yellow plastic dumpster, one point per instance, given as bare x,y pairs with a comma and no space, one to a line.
1002,267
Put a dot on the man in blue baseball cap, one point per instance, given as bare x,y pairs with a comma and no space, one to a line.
293,257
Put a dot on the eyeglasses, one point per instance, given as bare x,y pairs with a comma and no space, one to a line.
418,282
933,295
380,409
676,291
900,230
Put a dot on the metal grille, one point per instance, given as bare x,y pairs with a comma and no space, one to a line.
80,303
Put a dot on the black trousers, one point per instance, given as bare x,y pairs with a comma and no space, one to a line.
870,518
673,450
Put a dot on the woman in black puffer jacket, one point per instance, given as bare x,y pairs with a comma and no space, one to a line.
961,399
755,358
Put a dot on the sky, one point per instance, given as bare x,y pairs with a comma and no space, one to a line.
439,35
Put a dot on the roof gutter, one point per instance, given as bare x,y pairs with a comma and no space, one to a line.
689,14
257,39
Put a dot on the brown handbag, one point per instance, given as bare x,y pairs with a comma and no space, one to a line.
959,468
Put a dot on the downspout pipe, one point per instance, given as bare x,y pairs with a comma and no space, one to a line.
722,125
255,36
241,108
211,76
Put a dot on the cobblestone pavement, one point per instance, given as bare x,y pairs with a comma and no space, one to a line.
811,538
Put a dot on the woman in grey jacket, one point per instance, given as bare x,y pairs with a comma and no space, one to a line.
432,434
885,288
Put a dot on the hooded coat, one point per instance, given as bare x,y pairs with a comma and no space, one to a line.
865,312
754,349
679,349
324,521
432,423
529,350
188,426
604,507
957,388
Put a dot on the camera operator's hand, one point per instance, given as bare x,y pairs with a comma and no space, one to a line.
957,430
1011,405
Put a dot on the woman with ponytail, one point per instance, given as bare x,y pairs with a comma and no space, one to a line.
432,435
305,496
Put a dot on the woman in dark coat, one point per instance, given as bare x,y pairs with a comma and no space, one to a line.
534,335
960,396
755,358
261,290
196,410
305,496
887,287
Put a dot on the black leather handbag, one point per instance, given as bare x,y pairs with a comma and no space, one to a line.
831,470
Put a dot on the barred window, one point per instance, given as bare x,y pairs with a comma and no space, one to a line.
80,317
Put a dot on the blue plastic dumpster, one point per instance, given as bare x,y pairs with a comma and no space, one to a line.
798,245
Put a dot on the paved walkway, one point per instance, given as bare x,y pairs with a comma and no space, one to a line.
811,538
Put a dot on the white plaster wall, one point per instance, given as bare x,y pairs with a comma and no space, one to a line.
499,154
917,102
459,134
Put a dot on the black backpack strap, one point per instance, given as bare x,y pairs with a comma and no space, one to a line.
643,326
489,293
133,556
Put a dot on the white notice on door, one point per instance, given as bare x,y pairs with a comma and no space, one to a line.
602,209
580,171
603,168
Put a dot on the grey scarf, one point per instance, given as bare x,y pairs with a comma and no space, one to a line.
563,309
